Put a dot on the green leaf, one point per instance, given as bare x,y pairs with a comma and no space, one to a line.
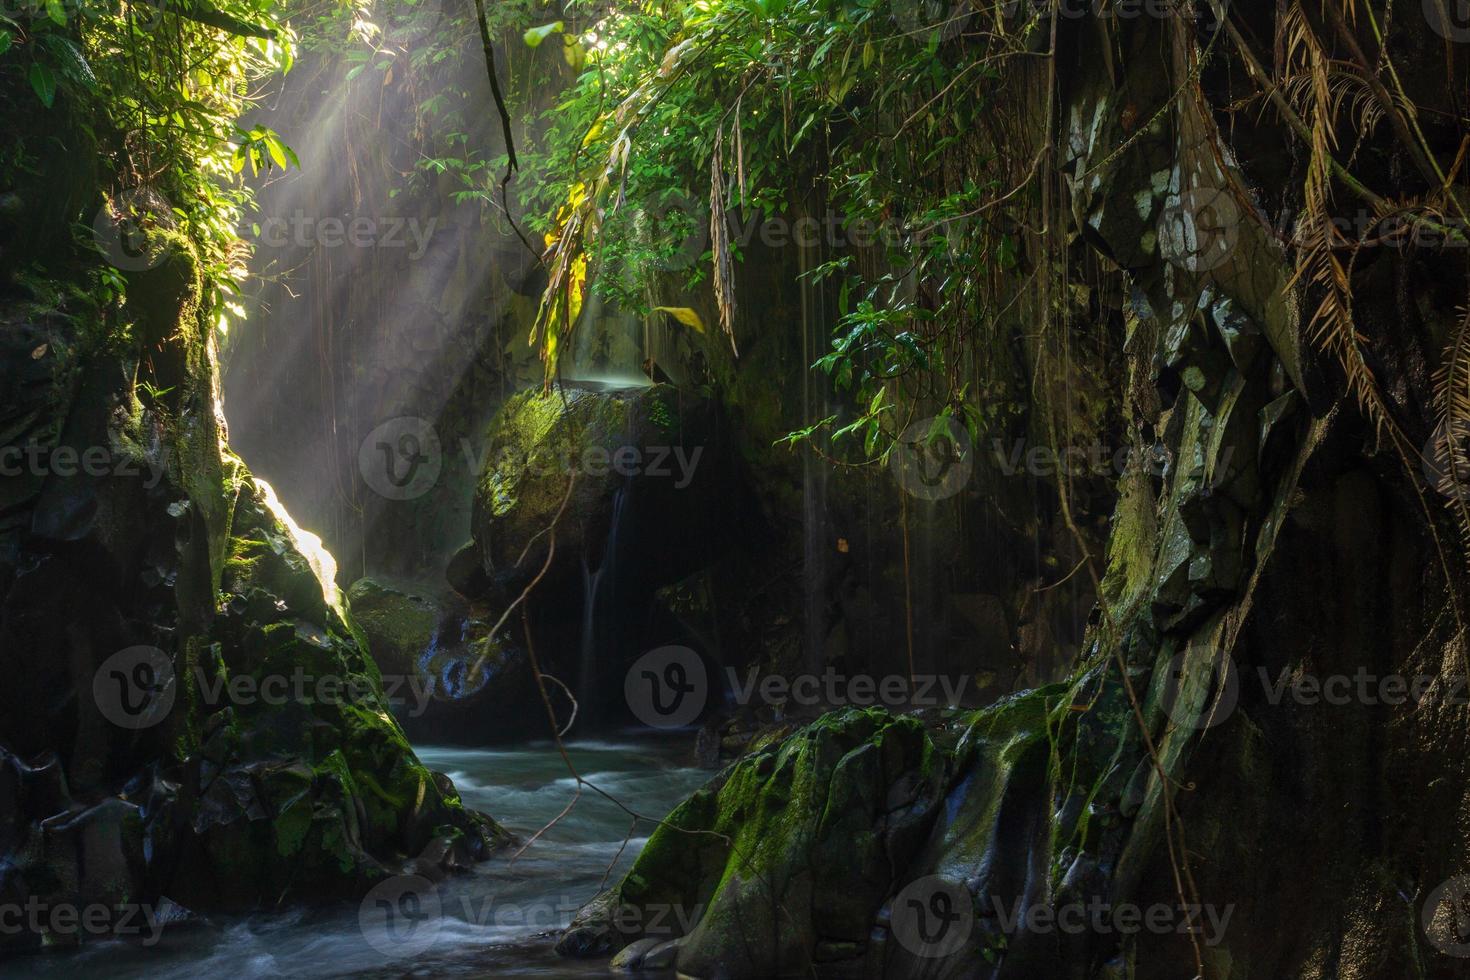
43,81
536,35
57,12
5,39
275,148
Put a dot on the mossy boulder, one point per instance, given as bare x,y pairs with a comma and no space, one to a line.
782,862
447,679
400,625
648,462
793,861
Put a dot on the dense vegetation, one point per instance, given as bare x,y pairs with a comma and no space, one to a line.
1215,252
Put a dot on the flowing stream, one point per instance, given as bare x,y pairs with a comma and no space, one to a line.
498,921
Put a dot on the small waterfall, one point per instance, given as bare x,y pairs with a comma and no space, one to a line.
607,345
601,609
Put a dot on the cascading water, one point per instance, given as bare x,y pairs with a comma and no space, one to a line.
492,922
608,346
601,609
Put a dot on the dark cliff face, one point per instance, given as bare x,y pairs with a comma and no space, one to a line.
1240,737
188,711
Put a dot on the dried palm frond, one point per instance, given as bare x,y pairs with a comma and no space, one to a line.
719,234
1349,95
1318,241
1450,447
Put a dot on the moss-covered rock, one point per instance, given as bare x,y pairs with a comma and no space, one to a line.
782,861
399,626
601,458
268,767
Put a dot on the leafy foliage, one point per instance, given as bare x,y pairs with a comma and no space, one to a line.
171,78
784,110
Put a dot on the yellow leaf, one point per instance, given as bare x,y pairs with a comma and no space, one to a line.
575,54
684,315
596,129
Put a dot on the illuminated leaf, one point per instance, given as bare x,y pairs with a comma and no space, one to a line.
536,35
684,315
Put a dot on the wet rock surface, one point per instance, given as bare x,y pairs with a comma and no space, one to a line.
648,465
189,713
1275,537
447,680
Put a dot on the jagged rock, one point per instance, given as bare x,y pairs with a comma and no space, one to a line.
266,766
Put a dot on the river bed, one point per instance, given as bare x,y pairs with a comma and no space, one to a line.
498,921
